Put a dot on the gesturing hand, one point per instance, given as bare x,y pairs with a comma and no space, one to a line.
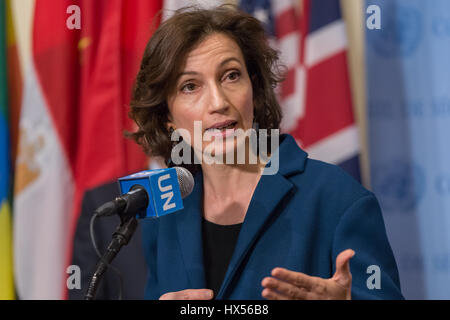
290,285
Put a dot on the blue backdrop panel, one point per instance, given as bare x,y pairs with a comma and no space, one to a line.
408,73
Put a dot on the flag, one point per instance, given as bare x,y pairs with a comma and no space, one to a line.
170,6
14,80
6,261
74,113
315,96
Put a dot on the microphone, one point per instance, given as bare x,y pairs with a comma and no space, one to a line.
150,193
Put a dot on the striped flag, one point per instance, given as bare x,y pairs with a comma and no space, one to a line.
170,6
6,264
73,116
315,97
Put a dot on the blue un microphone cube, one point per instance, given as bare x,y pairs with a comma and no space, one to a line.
162,188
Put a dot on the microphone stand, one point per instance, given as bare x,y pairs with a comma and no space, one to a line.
121,237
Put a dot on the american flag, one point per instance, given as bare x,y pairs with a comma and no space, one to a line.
315,97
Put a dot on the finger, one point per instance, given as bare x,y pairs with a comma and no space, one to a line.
188,294
284,288
298,279
343,275
273,295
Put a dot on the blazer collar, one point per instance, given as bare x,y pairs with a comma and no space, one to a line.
292,158
260,212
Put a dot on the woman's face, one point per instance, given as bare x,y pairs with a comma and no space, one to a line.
213,87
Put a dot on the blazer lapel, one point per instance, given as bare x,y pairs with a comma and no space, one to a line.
271,190
190,235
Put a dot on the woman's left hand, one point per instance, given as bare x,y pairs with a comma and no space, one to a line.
290,285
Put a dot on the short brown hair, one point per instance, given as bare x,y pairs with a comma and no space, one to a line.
166,52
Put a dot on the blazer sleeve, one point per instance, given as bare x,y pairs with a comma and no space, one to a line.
362,229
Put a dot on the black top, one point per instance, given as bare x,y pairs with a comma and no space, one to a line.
218,246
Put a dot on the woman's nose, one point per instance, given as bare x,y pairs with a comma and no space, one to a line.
218,101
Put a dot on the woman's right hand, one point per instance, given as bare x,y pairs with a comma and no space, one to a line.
188,294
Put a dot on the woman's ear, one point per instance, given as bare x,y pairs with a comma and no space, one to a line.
170,125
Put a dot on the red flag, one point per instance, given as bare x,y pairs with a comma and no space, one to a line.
315,97
86,76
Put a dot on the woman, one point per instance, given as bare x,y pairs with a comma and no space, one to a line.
244,234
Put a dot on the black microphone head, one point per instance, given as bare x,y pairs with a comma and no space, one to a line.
110,208
185,180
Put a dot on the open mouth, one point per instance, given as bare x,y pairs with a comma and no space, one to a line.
222,126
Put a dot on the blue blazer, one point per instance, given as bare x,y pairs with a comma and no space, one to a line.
300,218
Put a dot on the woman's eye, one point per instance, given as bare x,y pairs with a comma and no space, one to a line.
233,76
189,87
